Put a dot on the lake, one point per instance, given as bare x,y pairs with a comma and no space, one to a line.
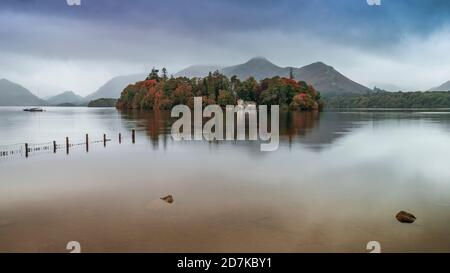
335,183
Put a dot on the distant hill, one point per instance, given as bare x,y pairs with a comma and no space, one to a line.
259,68
197,71
443,87
102,103
67,97
67,104
13,94
327,80
323,77
112,88
391,87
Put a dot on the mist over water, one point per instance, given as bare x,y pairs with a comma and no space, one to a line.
335,183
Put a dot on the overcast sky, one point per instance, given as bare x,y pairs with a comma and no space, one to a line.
48,46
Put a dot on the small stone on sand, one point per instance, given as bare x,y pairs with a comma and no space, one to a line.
168,199
405,217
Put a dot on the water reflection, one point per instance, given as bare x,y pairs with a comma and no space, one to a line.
314,130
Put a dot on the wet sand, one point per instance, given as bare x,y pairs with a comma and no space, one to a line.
210,215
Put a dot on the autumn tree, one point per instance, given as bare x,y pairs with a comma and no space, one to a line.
226,97
162,92
182,94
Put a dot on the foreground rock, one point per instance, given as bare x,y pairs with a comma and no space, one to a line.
168,199
405,217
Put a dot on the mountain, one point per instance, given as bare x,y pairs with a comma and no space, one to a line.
259,68
112,88
197,71
328,80
323,77
13,94
443,87
66,97
390,87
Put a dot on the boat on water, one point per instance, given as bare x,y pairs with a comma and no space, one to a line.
34,109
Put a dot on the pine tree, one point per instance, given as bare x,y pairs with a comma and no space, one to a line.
153,75
164,73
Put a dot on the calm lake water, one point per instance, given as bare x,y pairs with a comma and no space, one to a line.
335,183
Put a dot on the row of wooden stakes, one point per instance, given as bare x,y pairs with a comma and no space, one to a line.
68,145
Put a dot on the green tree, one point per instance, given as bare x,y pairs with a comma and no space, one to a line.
153,75
247,90
164,73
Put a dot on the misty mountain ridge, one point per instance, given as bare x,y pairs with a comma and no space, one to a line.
114,87
390,87
259,68
197,71
66,97
13,94
443,87
323,77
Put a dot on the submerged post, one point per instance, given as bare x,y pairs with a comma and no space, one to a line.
133,135
104,140
67,145
54,147
87,143
26,149
120,138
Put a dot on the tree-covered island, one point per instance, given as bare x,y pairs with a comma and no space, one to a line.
159,91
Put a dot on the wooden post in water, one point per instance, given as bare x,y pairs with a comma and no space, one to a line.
87,143
67,145
54,147
133,135
104,140
26,149
120,138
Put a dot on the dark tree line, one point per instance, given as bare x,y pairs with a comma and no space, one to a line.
383,99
